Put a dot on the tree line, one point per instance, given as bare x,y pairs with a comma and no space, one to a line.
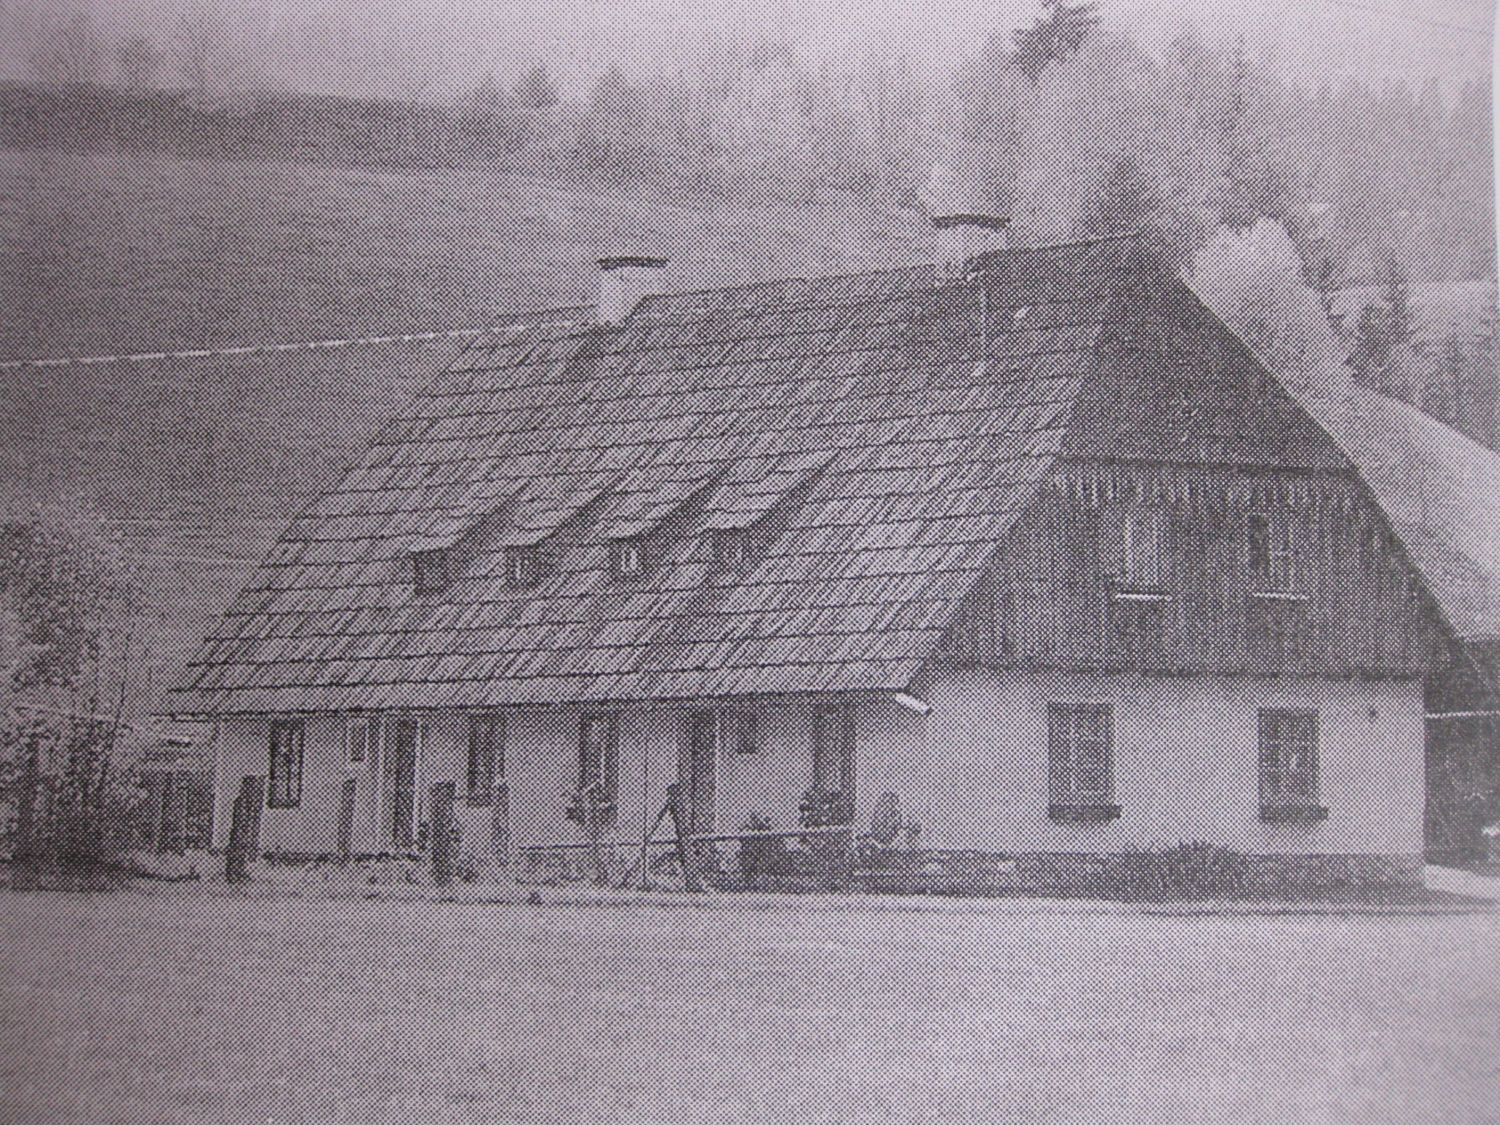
1070,129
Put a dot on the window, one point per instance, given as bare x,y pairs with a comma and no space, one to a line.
742,731
486,757
1142,535
285,791
1139,628
831,801
1080,761
730,549
1289,766
629,559
523,567
598,756
431,571
1273,557
360,735
833,749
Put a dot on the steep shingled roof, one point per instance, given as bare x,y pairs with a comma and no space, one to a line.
924,448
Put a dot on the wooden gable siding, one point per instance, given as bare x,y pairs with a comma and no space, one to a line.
1051,598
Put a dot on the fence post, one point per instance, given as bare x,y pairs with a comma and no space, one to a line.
442,832
244,830
500,825
25,856
346,820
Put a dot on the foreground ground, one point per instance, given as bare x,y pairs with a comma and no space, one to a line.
135,1007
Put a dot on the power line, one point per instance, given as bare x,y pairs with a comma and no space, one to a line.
245,350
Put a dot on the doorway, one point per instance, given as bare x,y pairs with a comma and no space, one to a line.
401,777
696,770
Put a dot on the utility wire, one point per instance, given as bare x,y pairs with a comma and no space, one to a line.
253,349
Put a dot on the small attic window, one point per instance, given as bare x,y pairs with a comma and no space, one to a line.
731,549
523,567
431,570
629,559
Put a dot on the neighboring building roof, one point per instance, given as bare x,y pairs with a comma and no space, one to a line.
926,452
1441,492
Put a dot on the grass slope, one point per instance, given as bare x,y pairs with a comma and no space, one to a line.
197,464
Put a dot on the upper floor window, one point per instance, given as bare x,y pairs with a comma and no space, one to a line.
1142,547
486,757
1289,780
1080,761
523,567
1273,551
431,570
285,788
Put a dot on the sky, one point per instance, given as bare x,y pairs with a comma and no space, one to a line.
432,48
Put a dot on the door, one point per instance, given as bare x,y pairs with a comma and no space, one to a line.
401,770
697,770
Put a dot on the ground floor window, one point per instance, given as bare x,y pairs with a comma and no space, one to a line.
285,790
486,757
1080,760
1289,780
831,800
360,735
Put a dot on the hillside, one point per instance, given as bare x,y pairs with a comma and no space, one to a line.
196,464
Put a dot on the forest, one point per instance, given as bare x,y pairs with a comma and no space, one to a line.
1384,193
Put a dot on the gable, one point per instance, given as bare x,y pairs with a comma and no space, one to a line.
1173,384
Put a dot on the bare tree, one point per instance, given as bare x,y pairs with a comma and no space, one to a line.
199,55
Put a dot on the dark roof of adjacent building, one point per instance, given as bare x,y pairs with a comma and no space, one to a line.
884,431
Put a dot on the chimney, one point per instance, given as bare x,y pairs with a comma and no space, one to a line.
963,236
623,281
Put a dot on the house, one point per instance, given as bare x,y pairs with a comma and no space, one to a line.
1024,544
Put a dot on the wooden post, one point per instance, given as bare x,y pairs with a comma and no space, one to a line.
346,819
500,825
244,830
443,841
25,850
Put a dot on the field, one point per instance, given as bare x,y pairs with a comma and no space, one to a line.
242,1009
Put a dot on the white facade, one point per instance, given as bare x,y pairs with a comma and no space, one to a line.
973,773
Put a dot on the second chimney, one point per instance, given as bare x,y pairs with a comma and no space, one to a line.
961,237
624,280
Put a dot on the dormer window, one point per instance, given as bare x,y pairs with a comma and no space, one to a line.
731,549
523,567
629,559
432,570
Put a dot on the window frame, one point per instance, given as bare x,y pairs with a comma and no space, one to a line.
284,772
523,567
1273,747
483,779
1143,570
628,551
1066,798
432,570
370,726
1273,560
